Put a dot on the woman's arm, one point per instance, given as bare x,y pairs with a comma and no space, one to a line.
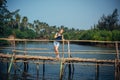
55,36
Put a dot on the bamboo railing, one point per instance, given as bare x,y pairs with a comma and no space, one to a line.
23,58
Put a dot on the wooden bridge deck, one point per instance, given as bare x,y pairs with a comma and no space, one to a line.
75,59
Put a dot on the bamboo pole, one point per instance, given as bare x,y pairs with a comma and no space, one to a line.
12,58
44,40
97,71
61,70
117,51
11,62
117,63
26,66
63,48
69,73
7,64
37,69
15,67
73,52
43,70
61,64
75,59
61,61
69,49
14,46
25,48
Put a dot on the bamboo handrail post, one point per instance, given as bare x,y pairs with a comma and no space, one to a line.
14,44
61,61
117,51
68,49
117,62
63,48
25,47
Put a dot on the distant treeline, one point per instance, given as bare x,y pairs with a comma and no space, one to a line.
107,29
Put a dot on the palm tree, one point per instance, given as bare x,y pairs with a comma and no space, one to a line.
36,26
12,23
18,17
24,22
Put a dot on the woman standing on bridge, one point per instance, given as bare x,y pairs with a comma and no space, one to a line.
58,36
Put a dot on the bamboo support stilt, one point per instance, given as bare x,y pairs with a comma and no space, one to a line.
14,68
26,66
11,62
37,69
61,70
69,73
43,70
61,61
97,71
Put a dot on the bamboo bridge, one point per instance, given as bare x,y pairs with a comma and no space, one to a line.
25,57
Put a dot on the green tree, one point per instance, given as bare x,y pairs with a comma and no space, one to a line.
24,23
6,19
116,35
109,22
18,17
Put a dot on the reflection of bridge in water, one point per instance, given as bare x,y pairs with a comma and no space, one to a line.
26,58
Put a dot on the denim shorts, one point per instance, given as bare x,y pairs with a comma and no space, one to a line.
56,43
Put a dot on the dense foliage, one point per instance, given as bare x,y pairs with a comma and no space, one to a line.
107,29
13,23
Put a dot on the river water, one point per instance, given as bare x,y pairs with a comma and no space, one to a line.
79,71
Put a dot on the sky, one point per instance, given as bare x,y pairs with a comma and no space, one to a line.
79,14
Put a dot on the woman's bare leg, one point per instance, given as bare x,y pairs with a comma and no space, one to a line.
56,51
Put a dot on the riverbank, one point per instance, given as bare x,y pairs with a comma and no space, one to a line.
108,45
